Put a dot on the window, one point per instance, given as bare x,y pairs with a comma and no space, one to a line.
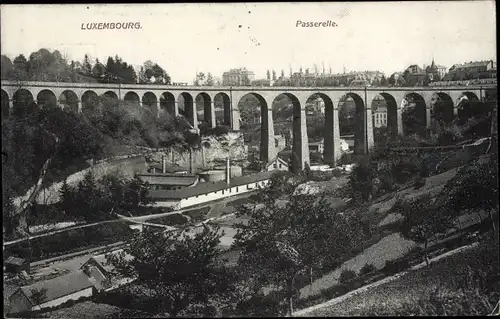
236,189
274,165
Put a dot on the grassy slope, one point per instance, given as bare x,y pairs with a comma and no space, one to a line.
392,298
391,245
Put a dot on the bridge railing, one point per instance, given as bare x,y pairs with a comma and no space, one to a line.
153,86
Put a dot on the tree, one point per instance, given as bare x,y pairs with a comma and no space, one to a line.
289,235
86,66
177,272
200,79
282,73
67,198
210,80
88,200
142,76
7,68
274,75
473,189
383,81
422,220
99,70
427,80
401,81
268,74
392,80
20,68
360,182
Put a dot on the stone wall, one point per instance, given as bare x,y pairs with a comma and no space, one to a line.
127,166
215,150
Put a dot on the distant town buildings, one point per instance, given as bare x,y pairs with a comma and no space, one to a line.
380,117
436,71
472,70
238,77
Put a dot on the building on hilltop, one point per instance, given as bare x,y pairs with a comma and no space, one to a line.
472,70
435,71
238,77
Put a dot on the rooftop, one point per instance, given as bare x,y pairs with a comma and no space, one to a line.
15,261
169,179
208,187
169,167
59,286
474,64
101,260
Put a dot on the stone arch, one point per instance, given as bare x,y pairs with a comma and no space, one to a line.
387,111
187,108
23,102
90,102
46,98
414,114
110,95
468,105
204,107
360,127
5,105
222,104
150,101
300,149
167,104
69,99
329,132
256,104
442,108
132,98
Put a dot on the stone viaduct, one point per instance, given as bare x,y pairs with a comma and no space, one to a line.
164,98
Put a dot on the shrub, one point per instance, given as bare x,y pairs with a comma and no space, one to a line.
347,275
221,130
337,172
171,220
335,291
367,268
197,215
395,266
419,182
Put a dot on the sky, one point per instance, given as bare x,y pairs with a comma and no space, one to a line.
189,38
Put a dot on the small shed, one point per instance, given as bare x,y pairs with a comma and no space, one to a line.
51,293
16,264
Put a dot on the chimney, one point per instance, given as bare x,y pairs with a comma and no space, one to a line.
163,164
228,171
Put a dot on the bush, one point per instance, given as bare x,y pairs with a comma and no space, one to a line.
198,215
221,130
367,268
419,182
171,220
337,172
347,275
395,266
